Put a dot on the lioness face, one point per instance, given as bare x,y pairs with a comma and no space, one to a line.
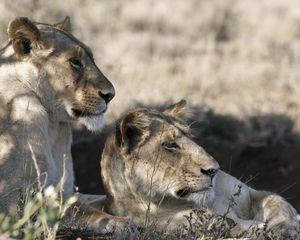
162,158
84,90
77,83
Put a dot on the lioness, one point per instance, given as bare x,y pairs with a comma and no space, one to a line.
152,169
47,79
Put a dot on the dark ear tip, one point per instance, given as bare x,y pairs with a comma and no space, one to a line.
65,24
67,20
12,25
182,103
24,19
18,21
130,116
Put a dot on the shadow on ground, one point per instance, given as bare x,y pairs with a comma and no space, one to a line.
261,150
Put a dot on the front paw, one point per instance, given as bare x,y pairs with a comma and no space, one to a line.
109,225
288,230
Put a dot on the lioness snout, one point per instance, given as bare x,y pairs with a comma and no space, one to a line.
209,172
107,97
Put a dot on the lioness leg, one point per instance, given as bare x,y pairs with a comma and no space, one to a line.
277,213
84,216
253,209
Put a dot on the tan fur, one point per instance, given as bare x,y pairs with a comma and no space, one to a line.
148,178
47,79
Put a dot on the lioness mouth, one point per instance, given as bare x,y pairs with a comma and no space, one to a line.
186,191
183,192
78,113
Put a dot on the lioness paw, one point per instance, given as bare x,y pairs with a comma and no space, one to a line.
289,230
109,225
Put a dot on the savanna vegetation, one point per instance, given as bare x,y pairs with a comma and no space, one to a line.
236,62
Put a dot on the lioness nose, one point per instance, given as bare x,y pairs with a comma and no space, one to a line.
209,172
107,96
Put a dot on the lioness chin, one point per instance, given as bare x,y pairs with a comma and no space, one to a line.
48,78
152,170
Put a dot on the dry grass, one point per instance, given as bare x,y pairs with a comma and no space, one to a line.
237,57
40,211
235,61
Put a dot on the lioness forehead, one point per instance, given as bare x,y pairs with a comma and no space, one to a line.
52,29
163,119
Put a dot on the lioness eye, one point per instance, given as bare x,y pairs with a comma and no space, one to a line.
171,145
75,63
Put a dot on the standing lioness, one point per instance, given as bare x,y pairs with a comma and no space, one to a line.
47,78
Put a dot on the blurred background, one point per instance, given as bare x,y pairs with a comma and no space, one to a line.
236,62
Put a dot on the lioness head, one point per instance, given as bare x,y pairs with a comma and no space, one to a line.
63,72
152,157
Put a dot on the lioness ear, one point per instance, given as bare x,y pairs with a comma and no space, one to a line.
178,110
132,130
24,35
65,24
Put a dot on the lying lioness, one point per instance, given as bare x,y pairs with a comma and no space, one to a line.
151,168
